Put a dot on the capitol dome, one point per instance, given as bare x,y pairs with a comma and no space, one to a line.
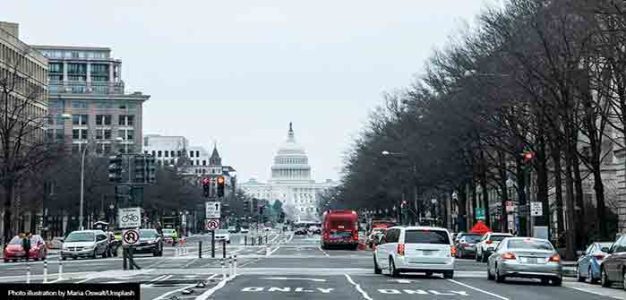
291,161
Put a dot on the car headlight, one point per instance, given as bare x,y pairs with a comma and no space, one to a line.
88,248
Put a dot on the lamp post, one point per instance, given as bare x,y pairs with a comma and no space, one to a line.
387,153
82,183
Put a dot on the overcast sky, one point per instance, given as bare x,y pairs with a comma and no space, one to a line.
238,72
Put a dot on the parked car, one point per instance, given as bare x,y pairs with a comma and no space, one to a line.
415,249
150,241
466,245
525,257
14,250
300,230
244,230
232,229
315,229
488,244
85,243
222,235
170,235
613,268
588,265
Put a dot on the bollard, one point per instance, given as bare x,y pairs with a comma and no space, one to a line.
260,240
223,248
267,250
252,239
223,271
199,249
265,238
60,268
27,271
245,240
235,265
45,270
230,266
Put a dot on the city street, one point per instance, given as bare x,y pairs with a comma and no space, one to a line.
293,266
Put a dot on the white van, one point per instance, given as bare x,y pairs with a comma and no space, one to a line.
415,249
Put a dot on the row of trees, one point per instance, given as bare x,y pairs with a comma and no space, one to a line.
544,78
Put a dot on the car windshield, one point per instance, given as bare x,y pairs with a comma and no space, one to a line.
16,240
341,224
169,231
498,238
471,238
80,237
530,244
426,237
147,234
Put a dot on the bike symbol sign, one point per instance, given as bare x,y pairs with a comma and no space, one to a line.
130,237
129,217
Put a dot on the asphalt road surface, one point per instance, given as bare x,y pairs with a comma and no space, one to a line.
289,267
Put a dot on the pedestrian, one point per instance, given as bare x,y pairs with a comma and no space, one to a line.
26,245
159,229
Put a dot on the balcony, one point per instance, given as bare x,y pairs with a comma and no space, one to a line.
83,87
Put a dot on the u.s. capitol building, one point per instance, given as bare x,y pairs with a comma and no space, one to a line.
291,182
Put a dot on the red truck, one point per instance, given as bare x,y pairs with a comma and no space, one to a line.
340,228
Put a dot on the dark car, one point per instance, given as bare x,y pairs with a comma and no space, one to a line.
613,268
301,230
466,245
150,241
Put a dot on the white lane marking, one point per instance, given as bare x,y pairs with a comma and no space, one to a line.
358,287
164,296
323,251
214,289
600,291
296,278
190,263
85,280
477,289
275,249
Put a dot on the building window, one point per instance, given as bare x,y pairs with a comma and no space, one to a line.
191,153
103,134
197,153
159,155
153,154
79,134
166,154
178,153
126,134
172,153
80,119
75,148
103,120
126,120
204,162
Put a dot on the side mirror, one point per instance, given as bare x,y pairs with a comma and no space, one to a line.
605,249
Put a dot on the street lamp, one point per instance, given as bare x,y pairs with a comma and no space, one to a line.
82,183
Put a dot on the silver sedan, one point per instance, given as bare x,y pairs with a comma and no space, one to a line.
525,258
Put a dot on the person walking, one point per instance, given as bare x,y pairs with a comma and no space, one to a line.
26,244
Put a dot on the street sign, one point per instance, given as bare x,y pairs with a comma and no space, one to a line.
129,217
536,209
480,213
213,210
212,224
130,237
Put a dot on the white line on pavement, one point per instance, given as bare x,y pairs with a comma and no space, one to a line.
214,289
164,296
600,291
477,289
275,249
326,254
296,278
358,287
84,280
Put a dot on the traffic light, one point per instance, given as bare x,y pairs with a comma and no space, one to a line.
220,186
151,169
115,168
206,186
139,174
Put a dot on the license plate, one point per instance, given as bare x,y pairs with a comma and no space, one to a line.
529,260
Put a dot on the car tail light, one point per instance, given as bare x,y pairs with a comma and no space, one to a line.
355,235
400,249
599,256
508,255
488,242
555,258
452,250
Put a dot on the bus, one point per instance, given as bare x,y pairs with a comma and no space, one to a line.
340,228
